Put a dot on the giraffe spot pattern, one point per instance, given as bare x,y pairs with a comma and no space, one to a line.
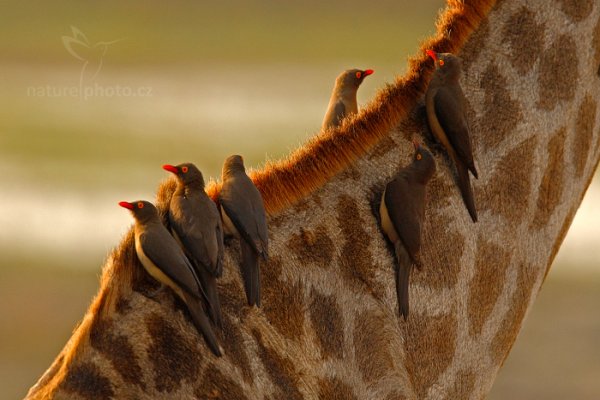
327,323
384,146
234,347
215,385
371,347
577,10
118,350
422,335
439,192
281,371
476,42
312,246
502,113
172,356
524,34
122,305
487,284
551,187
276,221
232,297
509,187
317,199
334,389
441,259
584,131
301,206
464,383
350,172
283,302
86,380
558,73
511,323
355,260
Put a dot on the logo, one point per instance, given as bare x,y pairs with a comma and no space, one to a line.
91,55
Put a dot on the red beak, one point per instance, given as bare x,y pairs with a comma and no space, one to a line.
416,144
127,205
432,54
171,168
368,72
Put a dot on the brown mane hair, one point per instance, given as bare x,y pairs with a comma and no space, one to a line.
282,183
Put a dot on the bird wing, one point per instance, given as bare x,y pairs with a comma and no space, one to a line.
405,203
164,252
197,224
402,278
339,112
336,111
244,206
221,247
250,274
449,111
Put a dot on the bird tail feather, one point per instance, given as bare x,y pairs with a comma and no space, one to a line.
402,278
466,191
250,273
209,283
473,170
202,324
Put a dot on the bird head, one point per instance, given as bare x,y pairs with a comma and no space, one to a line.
423,161
186,173
446,64
234,163
352,78
142,210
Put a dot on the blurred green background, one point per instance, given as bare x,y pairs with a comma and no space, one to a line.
94,97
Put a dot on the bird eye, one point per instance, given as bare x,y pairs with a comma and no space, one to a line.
441,62
358,74
419,156
140,205
184,169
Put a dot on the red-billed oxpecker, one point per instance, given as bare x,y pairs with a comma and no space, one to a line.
164,260
402,212
445,103
244,216
196,224
343,99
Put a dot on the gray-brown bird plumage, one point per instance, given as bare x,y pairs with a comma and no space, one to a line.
402,211
244,216
445,104
343,98
164,260
196,224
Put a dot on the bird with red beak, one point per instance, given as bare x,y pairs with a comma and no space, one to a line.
164,260
445,103
343,99
196,224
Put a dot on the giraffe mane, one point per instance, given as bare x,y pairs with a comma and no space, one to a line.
283,183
